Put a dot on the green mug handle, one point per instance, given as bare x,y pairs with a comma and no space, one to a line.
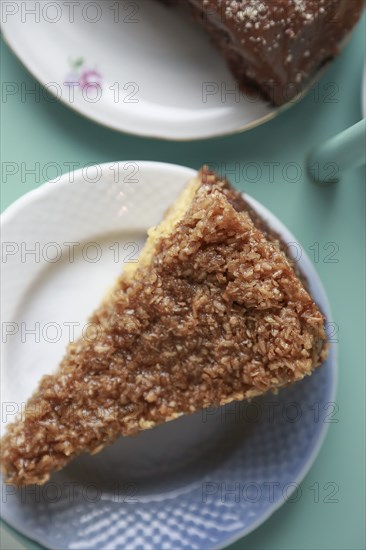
344,151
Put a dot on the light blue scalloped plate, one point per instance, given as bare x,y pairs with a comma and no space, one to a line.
198,482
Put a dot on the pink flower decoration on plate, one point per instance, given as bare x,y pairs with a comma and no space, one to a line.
82,76
90,78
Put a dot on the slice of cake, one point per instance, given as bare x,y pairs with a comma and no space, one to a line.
213,312
275,47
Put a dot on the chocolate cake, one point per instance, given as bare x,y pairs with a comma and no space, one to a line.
275,47
213,312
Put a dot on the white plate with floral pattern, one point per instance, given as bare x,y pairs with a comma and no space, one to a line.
134,66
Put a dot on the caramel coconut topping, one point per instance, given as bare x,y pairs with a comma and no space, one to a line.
214,312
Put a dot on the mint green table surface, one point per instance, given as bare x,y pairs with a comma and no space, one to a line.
49,132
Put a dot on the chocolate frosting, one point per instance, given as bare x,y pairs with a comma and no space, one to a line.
276,46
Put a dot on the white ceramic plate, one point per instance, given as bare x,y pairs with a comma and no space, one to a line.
134,66
155,73
63,245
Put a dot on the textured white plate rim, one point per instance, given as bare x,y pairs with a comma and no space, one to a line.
29,198
307,466
65,179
